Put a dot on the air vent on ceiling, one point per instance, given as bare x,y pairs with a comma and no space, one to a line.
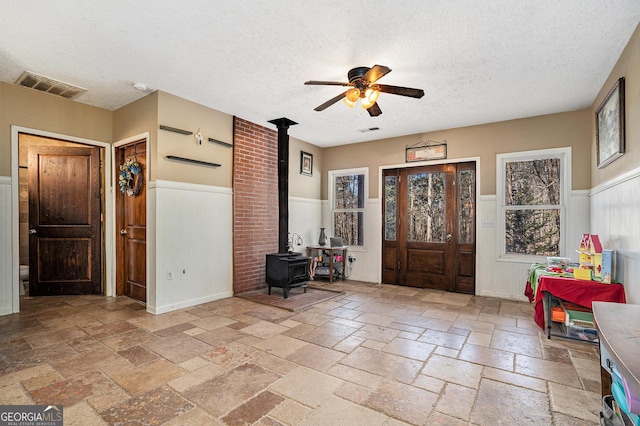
370,129
49,85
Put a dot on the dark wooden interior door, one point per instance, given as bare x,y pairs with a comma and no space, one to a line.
429,227
64,220
131,275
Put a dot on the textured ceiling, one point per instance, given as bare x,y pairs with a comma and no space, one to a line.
477,61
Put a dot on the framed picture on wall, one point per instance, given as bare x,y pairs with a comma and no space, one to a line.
306,163
610,125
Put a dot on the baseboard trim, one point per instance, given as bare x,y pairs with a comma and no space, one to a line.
187,303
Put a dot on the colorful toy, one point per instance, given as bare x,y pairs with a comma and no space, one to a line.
591,254
608,266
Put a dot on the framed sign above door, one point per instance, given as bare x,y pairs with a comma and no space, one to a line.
426,150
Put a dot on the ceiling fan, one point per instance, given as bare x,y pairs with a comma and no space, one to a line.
362,82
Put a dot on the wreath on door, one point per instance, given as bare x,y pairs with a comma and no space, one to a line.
130,178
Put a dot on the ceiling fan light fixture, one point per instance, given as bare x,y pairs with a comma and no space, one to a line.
353,95
362,85
370,97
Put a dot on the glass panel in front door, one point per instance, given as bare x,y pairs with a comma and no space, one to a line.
426,210
466,197
390,204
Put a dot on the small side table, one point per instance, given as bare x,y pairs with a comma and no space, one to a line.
331,253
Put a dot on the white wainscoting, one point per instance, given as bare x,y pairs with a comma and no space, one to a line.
368,259
193,246
615,217
486,257
368,263
305,215
7,269
494,278
507,279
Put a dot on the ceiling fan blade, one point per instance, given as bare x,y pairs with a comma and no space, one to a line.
374,110
402,91
330,102
326,83
376,72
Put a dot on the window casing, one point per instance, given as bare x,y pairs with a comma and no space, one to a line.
348,196
532,193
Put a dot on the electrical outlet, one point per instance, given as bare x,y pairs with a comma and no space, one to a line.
169,275
487,223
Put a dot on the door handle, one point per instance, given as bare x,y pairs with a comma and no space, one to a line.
123,232
32,231
448,237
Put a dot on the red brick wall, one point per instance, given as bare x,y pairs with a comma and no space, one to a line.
255,203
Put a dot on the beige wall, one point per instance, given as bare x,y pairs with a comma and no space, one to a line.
628,66
182,114
161,108
570,129
36,110
136,118
301,185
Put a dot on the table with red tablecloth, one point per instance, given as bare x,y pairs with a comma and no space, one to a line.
581,292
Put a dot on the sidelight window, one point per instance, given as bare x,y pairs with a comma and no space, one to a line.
390,207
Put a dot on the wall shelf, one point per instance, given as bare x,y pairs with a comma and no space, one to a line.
175,130
225,144
192,161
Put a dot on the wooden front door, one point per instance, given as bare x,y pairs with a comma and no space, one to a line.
429,227
131,275
64,221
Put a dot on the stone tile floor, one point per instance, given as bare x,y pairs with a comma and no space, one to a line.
377,355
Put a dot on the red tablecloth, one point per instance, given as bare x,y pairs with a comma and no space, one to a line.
581,292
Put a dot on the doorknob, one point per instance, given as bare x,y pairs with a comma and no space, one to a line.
448,237
123,232
32,231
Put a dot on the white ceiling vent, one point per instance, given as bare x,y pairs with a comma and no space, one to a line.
49,85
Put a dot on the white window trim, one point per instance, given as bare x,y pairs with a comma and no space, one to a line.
332,185
564,154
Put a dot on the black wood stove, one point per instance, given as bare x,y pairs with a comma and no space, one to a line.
284,269
287,270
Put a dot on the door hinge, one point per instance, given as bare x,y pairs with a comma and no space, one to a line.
101,163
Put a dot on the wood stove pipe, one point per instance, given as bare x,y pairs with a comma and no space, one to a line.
283,125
